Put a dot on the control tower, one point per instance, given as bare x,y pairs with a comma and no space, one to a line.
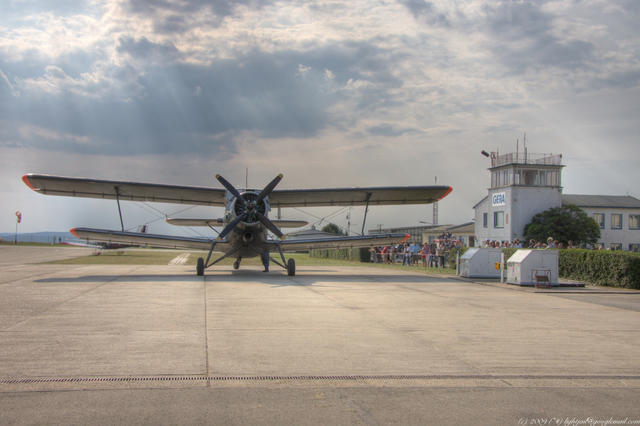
522,185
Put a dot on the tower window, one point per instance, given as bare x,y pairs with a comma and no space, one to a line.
616,221
599,218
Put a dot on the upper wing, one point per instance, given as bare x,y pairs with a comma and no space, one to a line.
280,223
133,191
340,242
358,196
152,240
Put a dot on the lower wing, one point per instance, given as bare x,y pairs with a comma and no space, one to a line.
152,240
340,242
170,241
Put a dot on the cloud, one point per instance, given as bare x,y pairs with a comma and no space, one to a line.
6,84
152,101
145,52
424,10
175,16
388,130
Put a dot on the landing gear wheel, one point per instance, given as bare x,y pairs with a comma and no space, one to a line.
236,264
291,267
200,267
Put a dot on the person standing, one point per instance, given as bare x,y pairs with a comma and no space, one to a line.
440,254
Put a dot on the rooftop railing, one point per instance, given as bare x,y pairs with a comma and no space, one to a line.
525,158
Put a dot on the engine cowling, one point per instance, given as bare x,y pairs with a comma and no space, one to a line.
250,207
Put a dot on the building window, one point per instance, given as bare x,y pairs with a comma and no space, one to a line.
485,220
616,246
599,218
498,219
634,247
634,221
616,221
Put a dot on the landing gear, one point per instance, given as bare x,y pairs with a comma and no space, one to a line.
200,267
291,267
236,264
265,261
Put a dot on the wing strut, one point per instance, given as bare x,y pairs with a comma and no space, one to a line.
366,209
206,263
119,209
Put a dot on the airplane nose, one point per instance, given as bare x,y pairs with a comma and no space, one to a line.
247,237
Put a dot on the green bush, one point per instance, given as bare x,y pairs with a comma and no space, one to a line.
453,252
352,254
508,252
609,268
602,267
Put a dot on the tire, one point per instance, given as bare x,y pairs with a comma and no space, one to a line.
236,265
200,267
291,267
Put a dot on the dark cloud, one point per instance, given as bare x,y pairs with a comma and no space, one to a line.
161,105
173,16
144,50
623,79
424,10
524,39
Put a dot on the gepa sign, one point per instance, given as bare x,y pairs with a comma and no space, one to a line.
499,199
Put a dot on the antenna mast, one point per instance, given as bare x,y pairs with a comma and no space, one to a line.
435,209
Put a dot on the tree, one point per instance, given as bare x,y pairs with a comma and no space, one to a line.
332,228
563,224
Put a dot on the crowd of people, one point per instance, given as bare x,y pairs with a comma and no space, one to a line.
434,254
533,244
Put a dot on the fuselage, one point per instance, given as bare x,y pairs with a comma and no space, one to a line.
250,235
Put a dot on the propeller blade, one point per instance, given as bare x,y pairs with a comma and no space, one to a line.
231,189
270,226
231,225
267,189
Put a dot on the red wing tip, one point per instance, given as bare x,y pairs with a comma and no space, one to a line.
446,193
74,232
27,182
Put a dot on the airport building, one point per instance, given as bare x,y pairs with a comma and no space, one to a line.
415,232
523,185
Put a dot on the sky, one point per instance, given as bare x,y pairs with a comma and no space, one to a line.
329,93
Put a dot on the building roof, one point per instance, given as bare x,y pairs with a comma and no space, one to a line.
468,227
480,202
460,229
603,201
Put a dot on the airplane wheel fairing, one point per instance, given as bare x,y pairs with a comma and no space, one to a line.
200,267
291,267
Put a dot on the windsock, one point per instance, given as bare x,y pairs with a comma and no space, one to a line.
19,216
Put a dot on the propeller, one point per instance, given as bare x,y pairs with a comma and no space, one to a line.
231,225
232,189
250,206
270,225
267,189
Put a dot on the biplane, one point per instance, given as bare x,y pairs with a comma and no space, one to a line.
246,227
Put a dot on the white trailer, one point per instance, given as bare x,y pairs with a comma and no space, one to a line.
480,263
533,267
